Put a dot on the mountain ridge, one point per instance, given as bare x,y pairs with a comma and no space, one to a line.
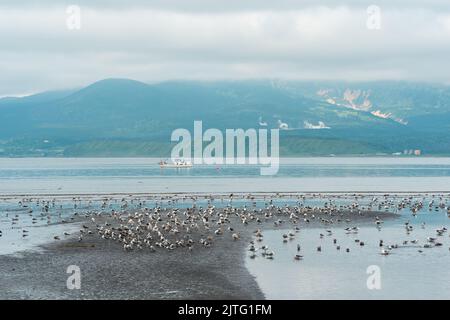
117,109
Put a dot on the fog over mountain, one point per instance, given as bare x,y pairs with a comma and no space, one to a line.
339,77
159,40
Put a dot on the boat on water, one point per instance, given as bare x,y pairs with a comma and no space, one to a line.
177,163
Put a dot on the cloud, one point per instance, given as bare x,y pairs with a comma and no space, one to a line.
157,40
229,5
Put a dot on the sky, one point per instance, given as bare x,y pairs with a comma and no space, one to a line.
48,45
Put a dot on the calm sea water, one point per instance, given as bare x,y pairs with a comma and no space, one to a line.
69,176
405,273
335,274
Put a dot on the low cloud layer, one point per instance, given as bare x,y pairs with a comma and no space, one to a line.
156,41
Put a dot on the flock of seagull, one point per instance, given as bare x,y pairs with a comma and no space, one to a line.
153,223
385,249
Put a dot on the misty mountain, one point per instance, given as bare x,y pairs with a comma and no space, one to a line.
126,117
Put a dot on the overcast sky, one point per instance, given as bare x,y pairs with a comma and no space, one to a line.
220,39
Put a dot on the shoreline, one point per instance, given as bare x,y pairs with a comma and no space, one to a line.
226,194
109,272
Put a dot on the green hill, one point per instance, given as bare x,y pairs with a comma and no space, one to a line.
120,117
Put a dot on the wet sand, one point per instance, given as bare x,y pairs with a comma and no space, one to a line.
109,272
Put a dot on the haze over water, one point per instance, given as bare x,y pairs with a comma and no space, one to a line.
132,175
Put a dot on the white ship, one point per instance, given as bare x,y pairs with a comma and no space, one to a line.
176,163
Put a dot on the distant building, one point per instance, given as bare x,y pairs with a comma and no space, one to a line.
411,152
